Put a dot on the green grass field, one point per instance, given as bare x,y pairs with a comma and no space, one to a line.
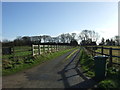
19,56
106,51
19,51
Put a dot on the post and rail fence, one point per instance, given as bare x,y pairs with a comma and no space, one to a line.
16,55
40,49
14,52
109,53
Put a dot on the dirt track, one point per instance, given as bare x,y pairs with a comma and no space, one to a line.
56,73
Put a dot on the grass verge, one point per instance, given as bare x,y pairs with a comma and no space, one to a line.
71,54
34,62
87,63
113,73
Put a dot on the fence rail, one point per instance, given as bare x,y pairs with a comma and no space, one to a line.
17,51
110,52
16,55
40,49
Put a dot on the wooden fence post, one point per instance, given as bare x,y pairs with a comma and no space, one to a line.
39,49
102,50
110,53
57,47
94,51
32,50
13,53
53,48
48,48
43,48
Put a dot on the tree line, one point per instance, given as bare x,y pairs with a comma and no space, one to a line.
115,41
86,37
43,39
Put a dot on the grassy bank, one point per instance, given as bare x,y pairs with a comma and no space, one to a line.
112,80
87,63
33,61
113,73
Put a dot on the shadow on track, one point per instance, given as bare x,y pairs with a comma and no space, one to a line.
84,83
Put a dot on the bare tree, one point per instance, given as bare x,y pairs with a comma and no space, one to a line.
89,35
39,39
84,35
5,40
68,38
54,39
49,39
62,38
117,40
73,35
45,38
103,41
58,39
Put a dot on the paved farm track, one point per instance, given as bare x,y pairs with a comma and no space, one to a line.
56,73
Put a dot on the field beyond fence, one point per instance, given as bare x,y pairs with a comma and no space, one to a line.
113,52
23,54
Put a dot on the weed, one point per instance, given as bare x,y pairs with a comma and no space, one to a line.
107,84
